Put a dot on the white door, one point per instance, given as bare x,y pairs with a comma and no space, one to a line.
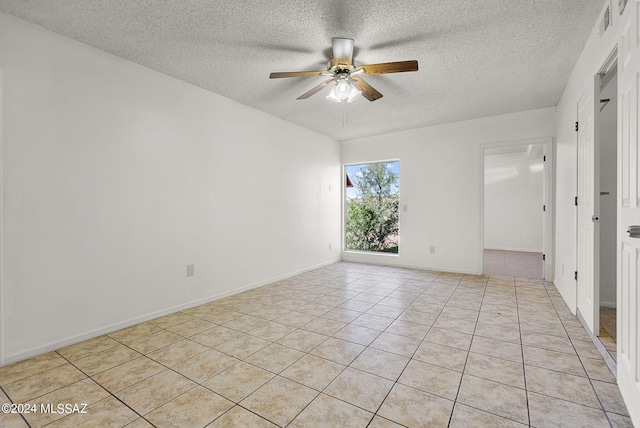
588,187
628,322
547,265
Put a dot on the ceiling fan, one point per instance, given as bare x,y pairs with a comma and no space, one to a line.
348,85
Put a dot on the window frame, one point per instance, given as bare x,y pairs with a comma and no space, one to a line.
345,206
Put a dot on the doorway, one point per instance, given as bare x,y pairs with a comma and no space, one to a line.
515,209
607,115
597,201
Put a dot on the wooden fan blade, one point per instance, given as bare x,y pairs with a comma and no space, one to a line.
281,74
367,90
315,90
389,67
342,51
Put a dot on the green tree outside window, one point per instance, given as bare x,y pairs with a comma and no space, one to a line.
372,207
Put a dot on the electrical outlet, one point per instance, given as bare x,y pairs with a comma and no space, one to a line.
190,270
329,245
432,249
405,208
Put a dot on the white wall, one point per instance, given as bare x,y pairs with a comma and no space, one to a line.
593,56
116,177
513,202
608,183
441,184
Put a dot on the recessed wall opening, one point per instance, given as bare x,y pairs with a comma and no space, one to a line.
607,121
372,207
513,210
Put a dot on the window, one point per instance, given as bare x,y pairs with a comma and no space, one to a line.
371,218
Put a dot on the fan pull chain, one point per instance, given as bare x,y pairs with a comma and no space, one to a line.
345,114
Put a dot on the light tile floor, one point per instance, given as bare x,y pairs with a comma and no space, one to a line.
608,331
347,345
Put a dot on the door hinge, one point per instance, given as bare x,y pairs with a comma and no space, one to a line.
576,126
544,208
575,275
544,257
544,158
576,201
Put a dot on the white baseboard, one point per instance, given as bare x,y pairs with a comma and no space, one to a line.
58,344
608,304
612,365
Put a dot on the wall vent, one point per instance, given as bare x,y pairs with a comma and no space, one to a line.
605,19
621,5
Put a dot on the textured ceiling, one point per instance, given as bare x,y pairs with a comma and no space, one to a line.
477,57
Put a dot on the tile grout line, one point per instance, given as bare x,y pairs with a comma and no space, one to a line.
12,402
606,414
495,381
326,386
455,401
105,389
166,367
524,367
395,382
375,413
522,296
309,353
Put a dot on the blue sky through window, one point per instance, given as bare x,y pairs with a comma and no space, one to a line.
353,171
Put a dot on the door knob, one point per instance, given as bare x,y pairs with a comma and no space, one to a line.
634,231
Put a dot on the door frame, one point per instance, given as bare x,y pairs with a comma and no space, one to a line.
548,199
587,207
628,200
2,299
606,66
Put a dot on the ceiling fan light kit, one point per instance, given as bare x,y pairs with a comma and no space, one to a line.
349,86
344,90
